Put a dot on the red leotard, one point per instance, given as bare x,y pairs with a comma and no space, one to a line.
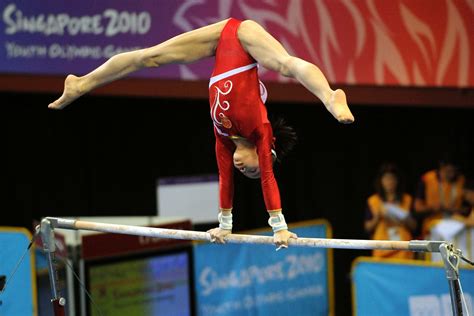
237,109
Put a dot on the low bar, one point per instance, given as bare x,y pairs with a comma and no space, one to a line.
414,245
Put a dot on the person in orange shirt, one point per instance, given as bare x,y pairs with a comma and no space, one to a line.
466,239
469,201
388,212
440,195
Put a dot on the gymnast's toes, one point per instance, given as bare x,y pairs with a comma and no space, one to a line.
346,119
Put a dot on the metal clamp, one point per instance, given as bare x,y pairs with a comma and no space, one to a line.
49,247
451,258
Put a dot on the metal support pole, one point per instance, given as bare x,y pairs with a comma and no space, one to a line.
451,259
49,247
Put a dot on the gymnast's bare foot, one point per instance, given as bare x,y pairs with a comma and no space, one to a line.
72,91
338,107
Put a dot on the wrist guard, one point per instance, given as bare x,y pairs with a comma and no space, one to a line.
225,221
277,223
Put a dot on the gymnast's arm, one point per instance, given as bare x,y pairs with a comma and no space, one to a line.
185,48
224,152
271,193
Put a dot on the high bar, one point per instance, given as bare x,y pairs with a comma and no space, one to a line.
413,245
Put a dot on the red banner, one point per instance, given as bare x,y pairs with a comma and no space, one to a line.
364,42
360,42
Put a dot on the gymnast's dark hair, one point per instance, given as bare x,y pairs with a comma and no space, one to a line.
285,137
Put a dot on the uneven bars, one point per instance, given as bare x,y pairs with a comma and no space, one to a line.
413,245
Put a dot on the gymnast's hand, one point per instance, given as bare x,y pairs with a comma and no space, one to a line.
218,235
281,238
72,90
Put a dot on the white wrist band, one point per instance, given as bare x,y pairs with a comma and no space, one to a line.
225,221
277,223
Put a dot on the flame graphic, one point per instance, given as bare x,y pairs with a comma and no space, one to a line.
398,42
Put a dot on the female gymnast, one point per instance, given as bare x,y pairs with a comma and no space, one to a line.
244,136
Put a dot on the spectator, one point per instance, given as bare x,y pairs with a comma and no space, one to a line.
388,213
464,240
439,195
469,202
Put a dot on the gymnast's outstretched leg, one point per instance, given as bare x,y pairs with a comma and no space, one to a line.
268,52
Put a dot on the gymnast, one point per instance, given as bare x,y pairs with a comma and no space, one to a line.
244,135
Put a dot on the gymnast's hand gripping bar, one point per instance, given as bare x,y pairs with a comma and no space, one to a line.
414,245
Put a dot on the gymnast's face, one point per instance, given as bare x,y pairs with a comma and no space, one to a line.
246,161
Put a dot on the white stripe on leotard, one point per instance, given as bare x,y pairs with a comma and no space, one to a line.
230,73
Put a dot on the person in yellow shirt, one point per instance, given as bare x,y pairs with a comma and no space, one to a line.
465,240
469,201
440,195
388,212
